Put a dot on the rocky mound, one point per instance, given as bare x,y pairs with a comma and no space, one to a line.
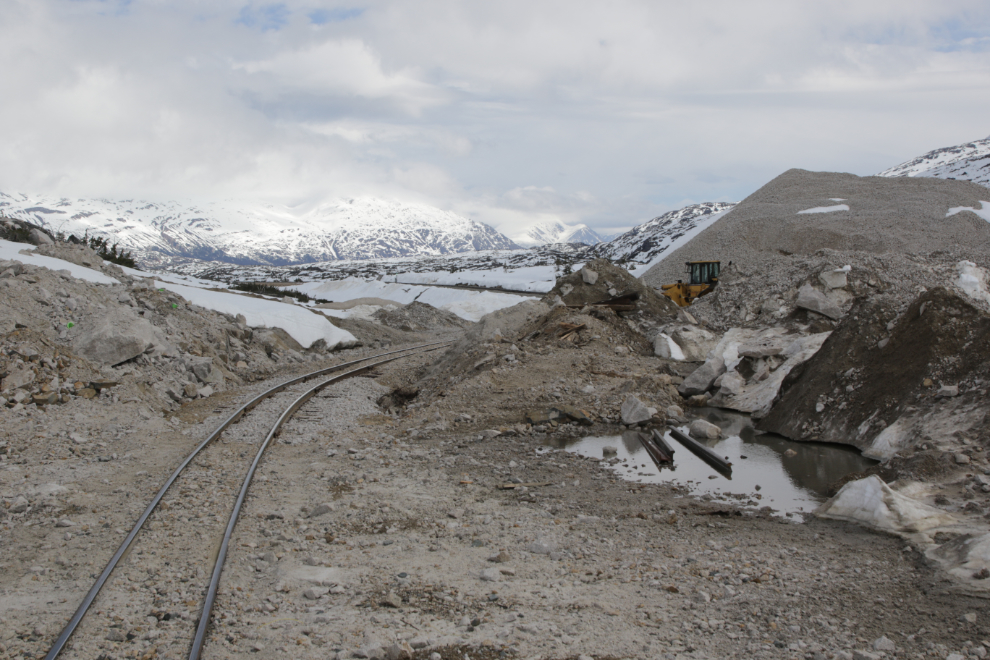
417,316
63,338
854,214
767,294
889,380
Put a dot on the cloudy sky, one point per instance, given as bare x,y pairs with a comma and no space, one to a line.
607,113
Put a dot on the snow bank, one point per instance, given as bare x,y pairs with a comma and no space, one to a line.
538,279
301,324
12,252
826,209
973,281
872,502
467,304
983,211
965,557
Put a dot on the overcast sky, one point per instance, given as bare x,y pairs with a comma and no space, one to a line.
607,112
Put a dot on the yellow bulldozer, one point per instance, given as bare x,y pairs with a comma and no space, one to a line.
703,280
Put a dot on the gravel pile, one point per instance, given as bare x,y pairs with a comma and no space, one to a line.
417,316
905,216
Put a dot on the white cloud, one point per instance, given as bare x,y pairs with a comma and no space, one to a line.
512,112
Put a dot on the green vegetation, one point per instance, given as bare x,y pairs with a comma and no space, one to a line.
269,290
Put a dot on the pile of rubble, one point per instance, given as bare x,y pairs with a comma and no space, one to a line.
63,337
417,317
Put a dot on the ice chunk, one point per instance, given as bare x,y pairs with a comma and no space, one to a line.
872,502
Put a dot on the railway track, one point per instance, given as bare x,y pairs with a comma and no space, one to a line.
210,478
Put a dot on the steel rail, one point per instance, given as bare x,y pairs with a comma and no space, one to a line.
80,612
211,594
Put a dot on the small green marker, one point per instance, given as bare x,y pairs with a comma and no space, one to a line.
174,306
161,290
70,324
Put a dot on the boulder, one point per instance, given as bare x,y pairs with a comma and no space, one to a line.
38,237
695,343
703,430
702,378
731,383
19,377
118,338
635,411
814,300
834,279
589,276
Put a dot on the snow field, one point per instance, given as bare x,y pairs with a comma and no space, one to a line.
470,305
300,323
12,252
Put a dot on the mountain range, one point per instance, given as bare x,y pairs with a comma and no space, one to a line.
551,232
234,232
968,162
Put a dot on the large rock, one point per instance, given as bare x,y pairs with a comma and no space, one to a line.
119,338
757,394
38,237
694,342
635,411
589,276
834,279
204,371
702,378
20,376
703,430
814,300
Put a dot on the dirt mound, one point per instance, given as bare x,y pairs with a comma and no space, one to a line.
66,340
904,215
886,381
601,280
417,316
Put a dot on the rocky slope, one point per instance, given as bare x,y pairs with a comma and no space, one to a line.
966,162
242,233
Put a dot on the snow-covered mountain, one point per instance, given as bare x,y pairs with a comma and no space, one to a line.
651,240
551,231
162,234
969,162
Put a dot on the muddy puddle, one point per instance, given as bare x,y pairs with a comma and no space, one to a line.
762,474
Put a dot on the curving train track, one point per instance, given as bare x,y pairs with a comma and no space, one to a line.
281,403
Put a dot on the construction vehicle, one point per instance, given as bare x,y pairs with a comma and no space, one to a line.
704,279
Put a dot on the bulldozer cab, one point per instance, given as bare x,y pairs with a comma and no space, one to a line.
703,272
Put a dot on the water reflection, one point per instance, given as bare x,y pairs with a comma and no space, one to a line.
762,472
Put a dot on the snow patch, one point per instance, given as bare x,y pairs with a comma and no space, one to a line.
983,211
826,209
973,281
12,252
301,324
872,502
